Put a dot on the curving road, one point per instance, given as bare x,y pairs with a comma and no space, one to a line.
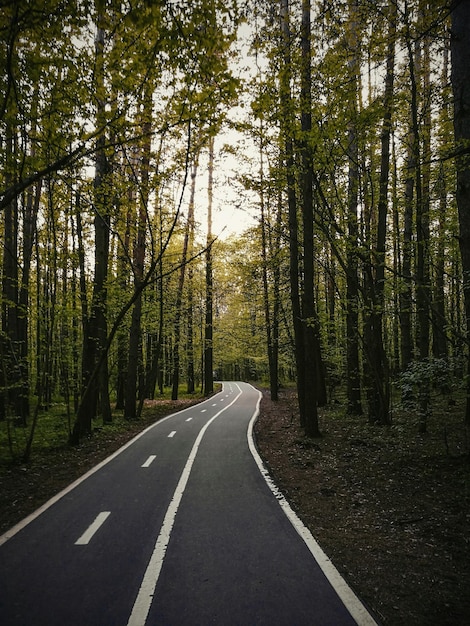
182,526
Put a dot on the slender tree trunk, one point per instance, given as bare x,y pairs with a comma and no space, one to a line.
287,132
266,263
379,380
422,223
311,331
208,323
190,315
95,330
406,292
439,321
353,377
135,337
460,51
179,294
11,372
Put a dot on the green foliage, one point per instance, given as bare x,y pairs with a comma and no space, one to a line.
427,373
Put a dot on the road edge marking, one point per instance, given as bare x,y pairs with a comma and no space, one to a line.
8,534
350,600
143,601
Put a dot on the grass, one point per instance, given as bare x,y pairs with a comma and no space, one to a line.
54,424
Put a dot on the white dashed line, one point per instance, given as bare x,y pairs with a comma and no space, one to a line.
149,461
189,419
203,410
172,434
93,528
146,592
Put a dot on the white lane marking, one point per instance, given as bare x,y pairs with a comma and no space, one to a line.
146,592
189,419
214,404
27,520
203,410
93,528
149,461
352,603
172,434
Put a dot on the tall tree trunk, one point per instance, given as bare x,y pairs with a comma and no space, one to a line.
190,315
288,145
10,380
422,219
353,378
95,330
379,380
406,292
311,331
460,75
439,321
208,322
179,294
135,335
267,261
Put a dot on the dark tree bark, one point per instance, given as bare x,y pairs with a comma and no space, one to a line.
439,317
288,147
208,323
179,293
311,331
376,357
95,327
135,337
268,314
190,315
10,374
406,292
460,75
353,374
420,150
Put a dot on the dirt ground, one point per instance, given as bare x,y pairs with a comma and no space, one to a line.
389,507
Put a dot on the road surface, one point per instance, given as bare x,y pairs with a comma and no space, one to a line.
182,526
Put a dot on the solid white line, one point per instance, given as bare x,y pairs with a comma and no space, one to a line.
172,434
93,528
27,520
355,607
144,598
189,419
149,461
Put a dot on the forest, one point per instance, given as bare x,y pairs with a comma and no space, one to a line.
335,133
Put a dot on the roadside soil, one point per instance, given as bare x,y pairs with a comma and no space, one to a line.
388,506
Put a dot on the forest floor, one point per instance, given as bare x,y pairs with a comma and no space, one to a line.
388,506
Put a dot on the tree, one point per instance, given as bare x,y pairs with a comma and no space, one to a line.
352,277
208,383
460,75
313,367
95,330
287,130
376,357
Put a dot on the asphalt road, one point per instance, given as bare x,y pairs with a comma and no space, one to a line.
181,527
